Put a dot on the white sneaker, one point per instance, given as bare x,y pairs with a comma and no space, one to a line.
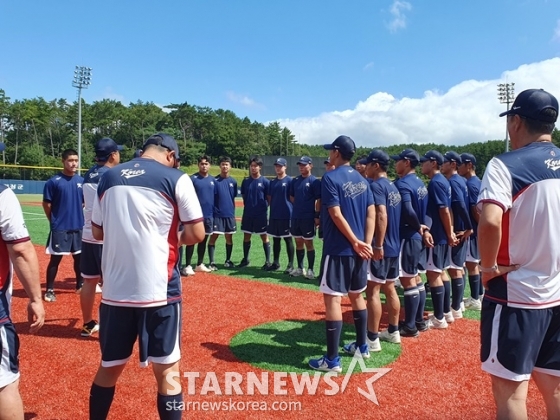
449,317
437,324
202,269
456,314
374,345
398,284
187,271
473,304
98,288
296,272
394,337
462,307
310,274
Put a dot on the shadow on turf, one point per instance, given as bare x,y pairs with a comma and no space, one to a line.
66,285
258,273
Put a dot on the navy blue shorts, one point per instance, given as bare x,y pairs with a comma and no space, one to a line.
341,275
516,342
256,225
412,251
64,242
223,225
303,228
459,255
472,250
9,350
90,260
439,258
423,262
208,225
158,330
279,228
386,269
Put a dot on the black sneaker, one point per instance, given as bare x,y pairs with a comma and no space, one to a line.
289,270
422,326
229,264
50,296
408,332
273,267
213,267
90,328
243,263
266,266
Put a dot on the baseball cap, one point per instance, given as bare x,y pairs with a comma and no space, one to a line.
2,147
304,160
163,140
407,154
376,156
137,153
433,155
344,144
531,102
327,161
467,157
452,156
104,147
281,162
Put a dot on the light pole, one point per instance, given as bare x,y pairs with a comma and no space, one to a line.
82,79
506,96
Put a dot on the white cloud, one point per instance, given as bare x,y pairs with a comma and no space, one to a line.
109,94
556,36
243,100
368,66
467,113
399,18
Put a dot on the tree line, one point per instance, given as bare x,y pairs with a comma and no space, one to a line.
36,131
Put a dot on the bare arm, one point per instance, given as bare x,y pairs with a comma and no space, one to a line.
192,233
26,266
97,232
47,209
447,222
380,231
362,248
370,224
475,214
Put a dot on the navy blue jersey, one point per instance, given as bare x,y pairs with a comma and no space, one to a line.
473,186
255,192
385,193
224,200
439,196
205,191
413,190
280,204
305,192
66,195
459,194
346,188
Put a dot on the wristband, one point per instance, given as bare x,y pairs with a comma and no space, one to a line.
379,248
488,269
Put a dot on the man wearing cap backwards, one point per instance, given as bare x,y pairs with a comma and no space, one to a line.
63,201
107,155
440,236
139,207
305,193
255,190
280,215
519,202
348,215
467,171
414,196
463,229
384,267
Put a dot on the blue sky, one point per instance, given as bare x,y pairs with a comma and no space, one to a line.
382,71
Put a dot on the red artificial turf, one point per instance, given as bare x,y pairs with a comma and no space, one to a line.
437,375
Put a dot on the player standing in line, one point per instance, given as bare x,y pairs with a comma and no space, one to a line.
305,193
107,155
467,171
224,212
255,190
414,196
139,207
384,267
348,213
280,215
328,167
16,253
205,191
63,200
462,228
360,167
440,235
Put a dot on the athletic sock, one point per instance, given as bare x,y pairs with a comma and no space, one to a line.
52,269
446,296
201,250
421,302
290,251
474,283
100,400
411,301
310,259
360,322
480,288
392,328
229,250
170,407
438,294
266,247
334,329
276,247
300,253
189,251
372,336
77,271
458,289
246,248
211,251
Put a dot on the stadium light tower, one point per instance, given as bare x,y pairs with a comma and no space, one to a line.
82,79
506,96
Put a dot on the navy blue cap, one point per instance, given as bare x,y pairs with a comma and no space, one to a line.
2,147
452,156
344,144
531,103
304,160
376,156
433,155
281,162
137,153
407,154
467,157
104,148
327,161
163,140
